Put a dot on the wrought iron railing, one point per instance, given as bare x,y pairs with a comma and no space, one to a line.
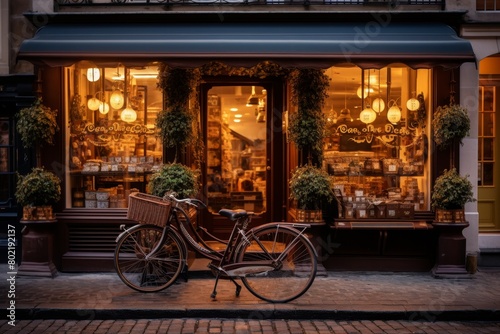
250,2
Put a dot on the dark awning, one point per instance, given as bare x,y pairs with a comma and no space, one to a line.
367,44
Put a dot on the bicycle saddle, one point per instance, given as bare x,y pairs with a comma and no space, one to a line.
232,214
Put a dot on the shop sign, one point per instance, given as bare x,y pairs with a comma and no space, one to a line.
113,131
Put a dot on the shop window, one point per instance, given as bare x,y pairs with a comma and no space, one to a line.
377,149
112,147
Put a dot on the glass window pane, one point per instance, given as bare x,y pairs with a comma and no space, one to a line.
488,104
480,149
488,174
5,185
489,124
488,149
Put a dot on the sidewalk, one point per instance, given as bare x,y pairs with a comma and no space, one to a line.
338,296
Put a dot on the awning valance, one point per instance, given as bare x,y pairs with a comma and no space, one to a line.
367,44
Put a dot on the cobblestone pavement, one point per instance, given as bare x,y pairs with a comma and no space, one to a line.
240,326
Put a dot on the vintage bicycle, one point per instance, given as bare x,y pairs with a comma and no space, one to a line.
276,261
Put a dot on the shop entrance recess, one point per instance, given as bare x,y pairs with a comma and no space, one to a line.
244,156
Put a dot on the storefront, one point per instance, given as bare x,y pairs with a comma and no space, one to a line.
386,79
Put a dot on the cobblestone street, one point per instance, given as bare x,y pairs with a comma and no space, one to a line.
240,326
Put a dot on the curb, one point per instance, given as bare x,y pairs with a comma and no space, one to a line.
272,313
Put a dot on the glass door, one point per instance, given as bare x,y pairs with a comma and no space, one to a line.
238,167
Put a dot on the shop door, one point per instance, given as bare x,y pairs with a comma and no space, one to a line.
244,162
488,153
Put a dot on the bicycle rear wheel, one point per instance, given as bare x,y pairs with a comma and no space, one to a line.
143,271
295,258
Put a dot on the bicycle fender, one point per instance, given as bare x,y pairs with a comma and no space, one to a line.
131,229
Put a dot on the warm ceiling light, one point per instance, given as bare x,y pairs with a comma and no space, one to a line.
413,104
116,99
128,115
366,91
378,105
93,103
145,75
236,120
93,74
253,100
234,109
238,115
103,108
368,115
394,114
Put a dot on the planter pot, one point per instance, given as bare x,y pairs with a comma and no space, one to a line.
450,216
38,212
38,248
309,215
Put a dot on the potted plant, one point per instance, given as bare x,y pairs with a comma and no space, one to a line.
451,123
37,192
310,187
37,125
174,177
450,193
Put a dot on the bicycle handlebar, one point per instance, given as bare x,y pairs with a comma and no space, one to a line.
191,201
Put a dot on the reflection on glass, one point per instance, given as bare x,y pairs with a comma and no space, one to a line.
4,141
236,149
488,149
488,174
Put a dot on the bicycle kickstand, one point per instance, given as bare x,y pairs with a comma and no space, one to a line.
214,293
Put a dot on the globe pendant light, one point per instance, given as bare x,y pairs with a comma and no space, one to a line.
394,113
128,115
116,99
103,108
412,104
93,103
378,105
93,74
368,115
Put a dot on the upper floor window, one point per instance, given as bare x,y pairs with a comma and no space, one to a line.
487,5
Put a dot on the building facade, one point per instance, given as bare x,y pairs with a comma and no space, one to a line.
390,66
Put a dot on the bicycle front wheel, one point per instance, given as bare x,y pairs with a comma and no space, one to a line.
294,258
143,271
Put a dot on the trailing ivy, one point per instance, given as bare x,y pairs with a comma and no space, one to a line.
307,127
175,127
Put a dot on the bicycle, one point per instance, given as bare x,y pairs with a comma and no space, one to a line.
276,261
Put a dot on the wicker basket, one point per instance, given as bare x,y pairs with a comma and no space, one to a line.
148,209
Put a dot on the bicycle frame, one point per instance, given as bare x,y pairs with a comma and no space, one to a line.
226,261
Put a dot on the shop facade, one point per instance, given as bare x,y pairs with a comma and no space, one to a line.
386,81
